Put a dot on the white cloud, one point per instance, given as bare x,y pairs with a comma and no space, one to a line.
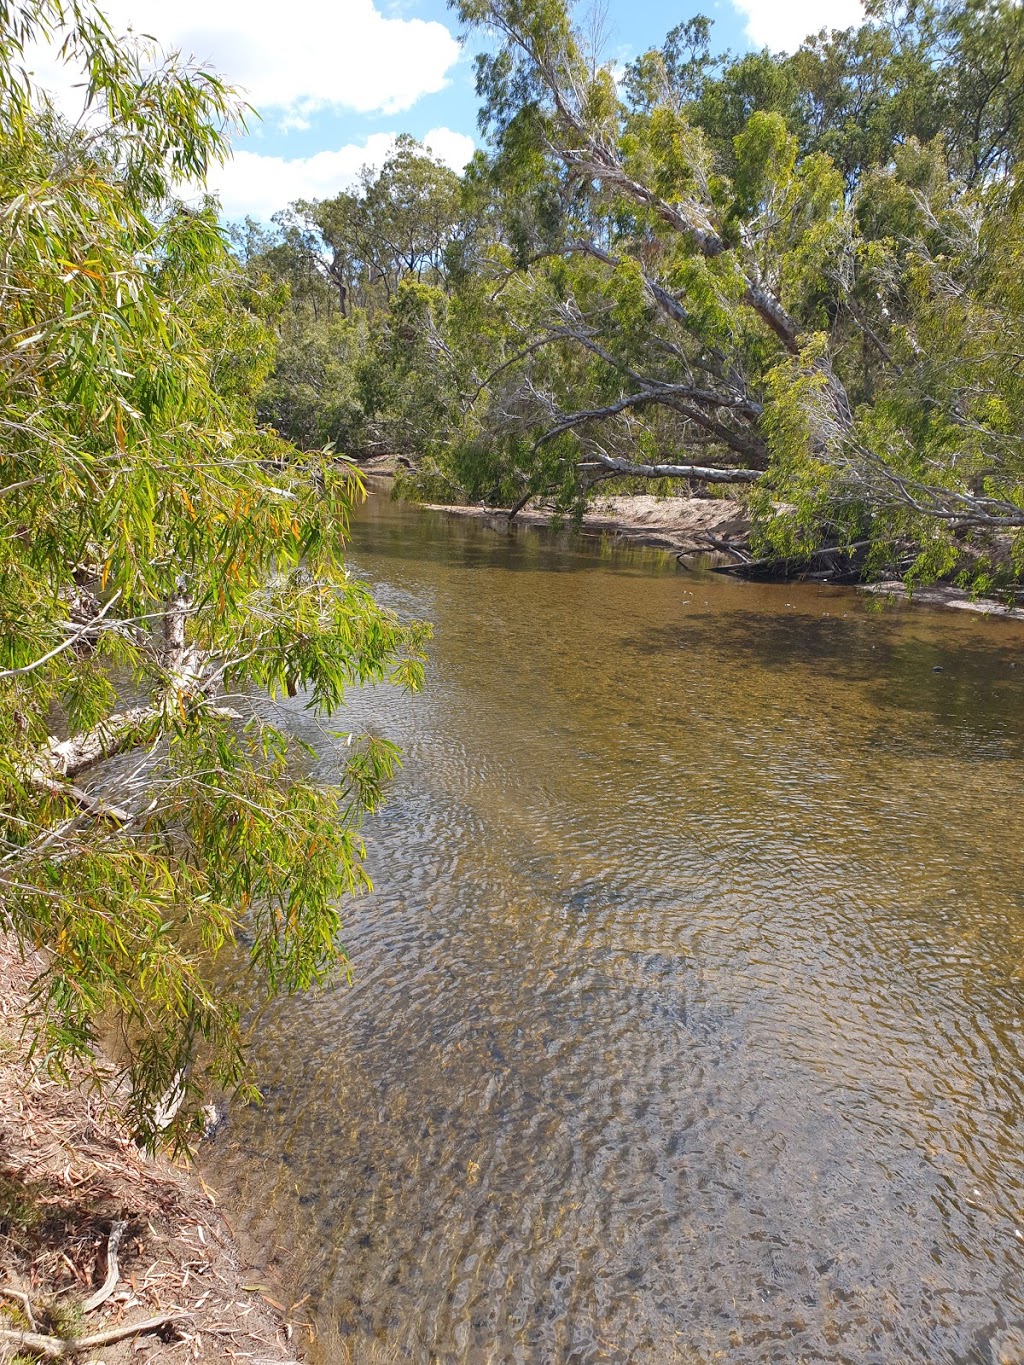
782,25
308,56
454,149
258,186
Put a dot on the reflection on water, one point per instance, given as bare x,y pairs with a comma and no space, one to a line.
686,1016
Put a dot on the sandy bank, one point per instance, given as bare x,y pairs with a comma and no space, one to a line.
382,466
69,1174
683,525
944,595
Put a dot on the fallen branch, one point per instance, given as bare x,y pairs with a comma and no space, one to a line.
698,473
60,1348
784,563
107,1288
745,565
726,548
109,737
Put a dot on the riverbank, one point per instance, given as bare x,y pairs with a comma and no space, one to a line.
73,1184
943,595
681,525
716,526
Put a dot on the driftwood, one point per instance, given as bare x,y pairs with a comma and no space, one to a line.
190,678
772,566
726,548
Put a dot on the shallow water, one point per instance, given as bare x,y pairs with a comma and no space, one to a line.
686,1022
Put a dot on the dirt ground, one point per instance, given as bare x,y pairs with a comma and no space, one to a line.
69,1176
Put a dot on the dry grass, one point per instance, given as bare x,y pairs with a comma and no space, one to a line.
69,1172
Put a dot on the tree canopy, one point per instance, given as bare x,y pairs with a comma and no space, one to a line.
168,569
796,270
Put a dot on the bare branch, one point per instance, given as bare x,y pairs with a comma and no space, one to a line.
60,1348
699,473
576,419
122,730
80,634
682,398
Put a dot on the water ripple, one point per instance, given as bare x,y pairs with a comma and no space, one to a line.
686,1015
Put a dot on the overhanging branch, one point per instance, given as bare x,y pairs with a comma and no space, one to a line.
683,398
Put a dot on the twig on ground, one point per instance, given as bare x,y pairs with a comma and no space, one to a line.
24,1300
107,1288
59,1348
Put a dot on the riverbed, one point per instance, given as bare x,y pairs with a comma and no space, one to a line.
686,1013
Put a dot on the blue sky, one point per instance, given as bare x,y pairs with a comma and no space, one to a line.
336,81
633,27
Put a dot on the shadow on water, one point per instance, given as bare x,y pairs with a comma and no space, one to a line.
940,679
686,1015
468,543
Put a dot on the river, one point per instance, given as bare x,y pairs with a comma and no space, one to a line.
686,1015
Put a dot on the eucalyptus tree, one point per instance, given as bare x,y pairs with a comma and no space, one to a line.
769,272
665,290
349,267
395,224
167,570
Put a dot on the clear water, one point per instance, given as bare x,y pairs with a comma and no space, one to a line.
686,1022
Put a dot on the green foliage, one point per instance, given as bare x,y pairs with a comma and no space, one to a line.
802,271
168,563
337,274
804,265
674,75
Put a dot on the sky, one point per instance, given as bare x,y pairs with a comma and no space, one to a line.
335,81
